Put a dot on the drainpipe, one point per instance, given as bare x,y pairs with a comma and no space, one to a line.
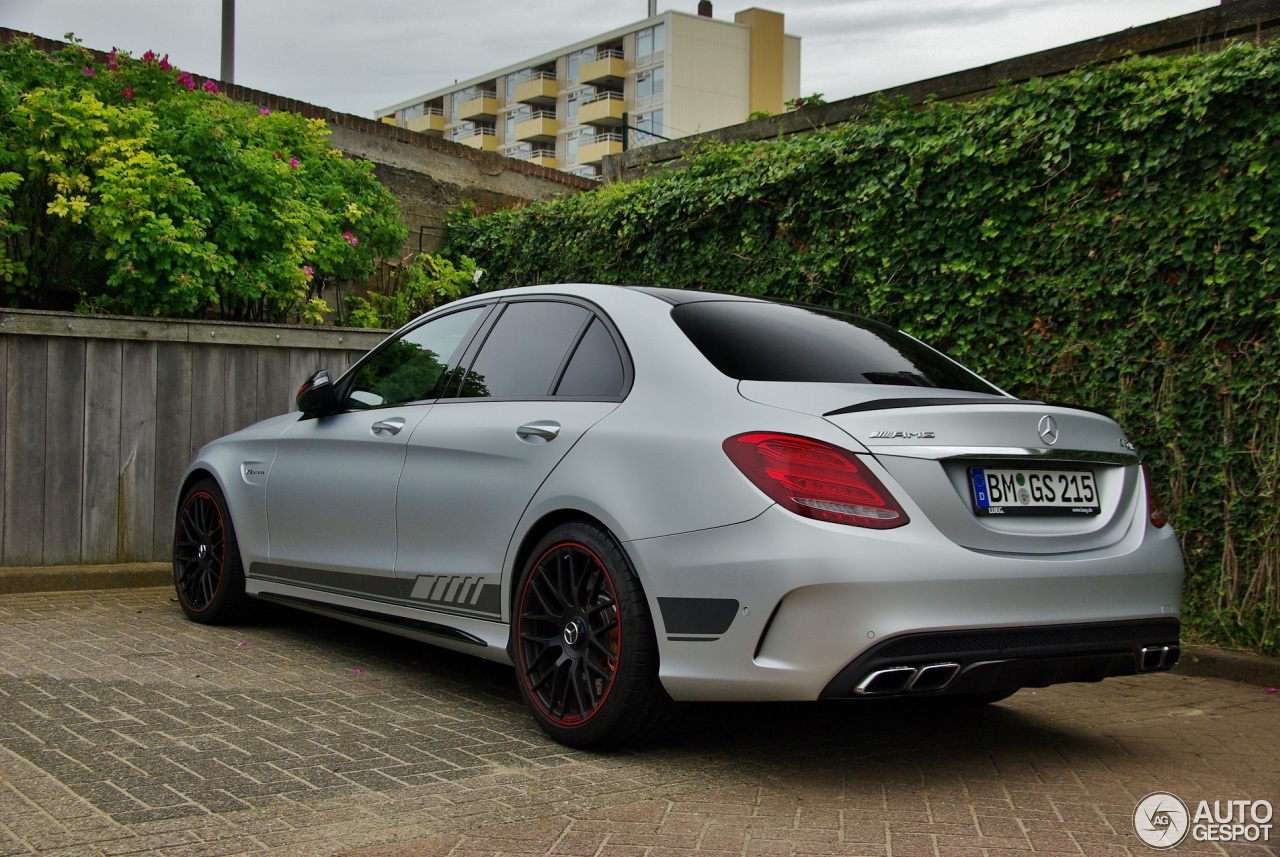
228,41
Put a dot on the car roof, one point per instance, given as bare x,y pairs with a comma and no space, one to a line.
676,297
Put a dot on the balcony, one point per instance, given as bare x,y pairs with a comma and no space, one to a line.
484,105
541,157
605,108
540,89
539,126
544,158
430,122
482,139
601,145
608,67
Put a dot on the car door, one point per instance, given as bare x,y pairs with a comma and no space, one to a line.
546,372
331,492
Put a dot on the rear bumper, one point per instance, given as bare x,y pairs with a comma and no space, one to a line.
798,609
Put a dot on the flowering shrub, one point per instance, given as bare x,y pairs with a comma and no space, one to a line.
424,283
132,187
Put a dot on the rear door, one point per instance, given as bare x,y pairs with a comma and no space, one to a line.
546,372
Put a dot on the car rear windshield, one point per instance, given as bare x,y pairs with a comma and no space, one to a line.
758,341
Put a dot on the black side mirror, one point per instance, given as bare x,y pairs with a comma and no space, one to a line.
316,397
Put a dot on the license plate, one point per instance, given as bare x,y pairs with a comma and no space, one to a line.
1028,491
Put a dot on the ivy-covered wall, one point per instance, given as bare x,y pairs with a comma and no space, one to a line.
1105,238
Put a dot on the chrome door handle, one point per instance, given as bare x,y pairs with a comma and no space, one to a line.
539,432
392,425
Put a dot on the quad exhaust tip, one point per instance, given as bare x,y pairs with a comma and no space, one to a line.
901,679
1157,658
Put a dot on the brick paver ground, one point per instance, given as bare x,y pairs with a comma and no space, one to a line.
126,729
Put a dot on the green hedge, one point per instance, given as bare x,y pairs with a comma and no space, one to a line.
1103,238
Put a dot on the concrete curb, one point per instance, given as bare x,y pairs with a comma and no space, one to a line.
70,578
1204,661
1247,667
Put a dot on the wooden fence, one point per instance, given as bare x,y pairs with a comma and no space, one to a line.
100,417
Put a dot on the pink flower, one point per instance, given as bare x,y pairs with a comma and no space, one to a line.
149,56
127,92
241,644
164,63
111,60
350,239
306,269
293,162
262,111
186,80
88,71
211,87
357,670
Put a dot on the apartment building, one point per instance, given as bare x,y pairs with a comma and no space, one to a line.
668,76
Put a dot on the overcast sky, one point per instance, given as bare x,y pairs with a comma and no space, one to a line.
358,56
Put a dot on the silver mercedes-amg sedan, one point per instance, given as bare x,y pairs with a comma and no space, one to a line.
637,496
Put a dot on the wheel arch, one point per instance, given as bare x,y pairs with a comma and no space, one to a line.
191,478
535,533
196,474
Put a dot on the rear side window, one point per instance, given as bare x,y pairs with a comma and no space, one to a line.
595,370
525,351
753,341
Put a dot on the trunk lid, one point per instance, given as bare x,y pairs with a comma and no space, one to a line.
972,463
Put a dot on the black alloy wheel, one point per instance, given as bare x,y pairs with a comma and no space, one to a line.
585,648
207,571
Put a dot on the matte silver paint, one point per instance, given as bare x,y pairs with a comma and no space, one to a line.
437,510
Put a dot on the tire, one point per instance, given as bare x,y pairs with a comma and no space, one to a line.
585,651
207,571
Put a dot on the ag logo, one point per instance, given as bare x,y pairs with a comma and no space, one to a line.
1161,820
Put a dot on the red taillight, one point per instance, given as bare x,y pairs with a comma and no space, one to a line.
815,479
1155,509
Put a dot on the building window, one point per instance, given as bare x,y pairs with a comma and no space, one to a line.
513,117
514,80
576,59
649,41
650,83
646,125
581,137
520,151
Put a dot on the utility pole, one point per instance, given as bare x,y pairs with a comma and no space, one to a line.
228,41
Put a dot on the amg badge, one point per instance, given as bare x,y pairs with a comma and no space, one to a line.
923,435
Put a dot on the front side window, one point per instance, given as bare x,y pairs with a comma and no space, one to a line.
415,367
